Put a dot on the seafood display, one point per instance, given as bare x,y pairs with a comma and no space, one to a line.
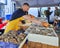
36,29
13,37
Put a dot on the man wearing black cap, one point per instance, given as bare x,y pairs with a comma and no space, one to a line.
21,11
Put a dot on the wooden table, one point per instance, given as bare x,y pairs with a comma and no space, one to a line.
38,45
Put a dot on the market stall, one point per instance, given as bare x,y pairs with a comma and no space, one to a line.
42,34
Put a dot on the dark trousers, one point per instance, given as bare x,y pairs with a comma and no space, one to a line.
48,18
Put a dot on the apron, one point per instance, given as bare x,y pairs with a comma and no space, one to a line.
13,25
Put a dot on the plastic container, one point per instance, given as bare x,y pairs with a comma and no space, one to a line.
8,45
13,45
8,17
2,45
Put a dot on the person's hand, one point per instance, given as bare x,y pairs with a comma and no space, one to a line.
27,17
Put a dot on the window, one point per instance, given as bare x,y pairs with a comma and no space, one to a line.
2,12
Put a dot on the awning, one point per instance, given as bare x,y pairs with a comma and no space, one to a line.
38,3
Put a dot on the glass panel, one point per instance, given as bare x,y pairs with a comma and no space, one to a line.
2,12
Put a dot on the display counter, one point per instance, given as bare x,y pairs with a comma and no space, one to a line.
22,43
42,35
34,33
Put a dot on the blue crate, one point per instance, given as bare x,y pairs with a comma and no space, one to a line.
2,43
8,17
13,45
8,45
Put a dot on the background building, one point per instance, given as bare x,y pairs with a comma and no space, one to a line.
7,7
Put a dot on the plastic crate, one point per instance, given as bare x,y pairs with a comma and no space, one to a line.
8,17
8,45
